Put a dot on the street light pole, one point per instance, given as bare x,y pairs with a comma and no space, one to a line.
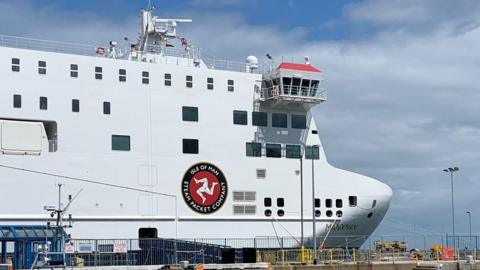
301,202
313,215
451,171
469,213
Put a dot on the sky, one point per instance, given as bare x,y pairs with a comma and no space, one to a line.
402,79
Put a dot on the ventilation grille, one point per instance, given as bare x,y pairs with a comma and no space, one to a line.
261,173
244,209
244,196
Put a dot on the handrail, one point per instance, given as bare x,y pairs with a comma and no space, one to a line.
91,50
294,91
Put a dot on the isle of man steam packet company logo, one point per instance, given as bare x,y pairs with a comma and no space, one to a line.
204,188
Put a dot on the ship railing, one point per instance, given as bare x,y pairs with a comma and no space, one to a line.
49,46
120,53
298,92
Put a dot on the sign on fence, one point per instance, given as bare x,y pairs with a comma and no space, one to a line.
86,247
120,247
69,248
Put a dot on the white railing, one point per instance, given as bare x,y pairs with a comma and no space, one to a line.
45,45
307,93
91,50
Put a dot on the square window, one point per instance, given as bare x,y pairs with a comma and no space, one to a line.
189,81
317,202
122,75
17,101
15,64
253,149
339,203
98,76
145,81
145,77
190,146
74,67
292,151
230,85
328,203
279,120
280,202
120,142
259,119
168,79
42,67
74,74
43,103
240,117
106,107
299,121
190,114
75,105
352,201
261,173
274,150
267,202
98,69
312,152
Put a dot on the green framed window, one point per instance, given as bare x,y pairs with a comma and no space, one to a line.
279,120
121,142
253,149
240,117
299,121
274,150
292,151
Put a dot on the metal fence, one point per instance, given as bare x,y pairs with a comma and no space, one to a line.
279,251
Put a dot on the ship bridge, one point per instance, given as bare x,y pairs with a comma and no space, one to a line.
292,85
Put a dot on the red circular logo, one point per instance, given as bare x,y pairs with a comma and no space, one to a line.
204,188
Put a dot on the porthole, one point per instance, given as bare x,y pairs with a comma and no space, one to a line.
329,213
317,213
280,213
339,213
268,213
370,215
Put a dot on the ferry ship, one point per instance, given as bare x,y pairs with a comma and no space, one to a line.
157,141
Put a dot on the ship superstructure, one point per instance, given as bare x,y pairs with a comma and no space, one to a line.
185,146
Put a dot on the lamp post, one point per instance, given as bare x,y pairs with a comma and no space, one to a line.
315,154
451,170
469,213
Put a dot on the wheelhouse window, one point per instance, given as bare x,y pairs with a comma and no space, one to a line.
190,114
16,64
42,67
253,149
98,73
279,120
299,121
106,107
274,150
74,70
260,119
17,101
189,81
231,86
120,142
352,201
43,103
190,146
145,77
292,151
312,152
75,105
122,75
240,117
168,79
210,83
